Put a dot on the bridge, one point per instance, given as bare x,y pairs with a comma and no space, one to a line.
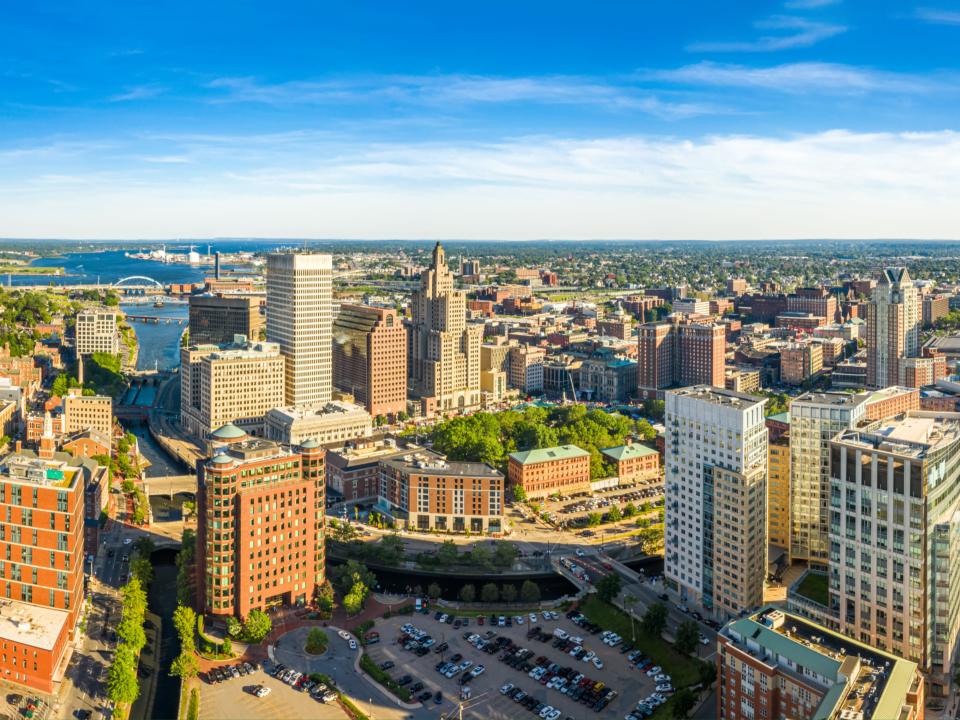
153,319
138,281
171,485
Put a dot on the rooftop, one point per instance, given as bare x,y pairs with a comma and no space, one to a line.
541,455
783,417
333,410
627,452
833,399
32,625
914,434
425,462
856,677
719,396
61,471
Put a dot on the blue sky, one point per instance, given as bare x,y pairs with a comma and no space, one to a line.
796,118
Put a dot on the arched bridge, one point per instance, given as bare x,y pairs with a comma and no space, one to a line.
137,281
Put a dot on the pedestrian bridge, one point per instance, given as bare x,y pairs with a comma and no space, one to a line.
172,485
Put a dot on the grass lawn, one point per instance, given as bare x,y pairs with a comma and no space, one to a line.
814,586
682,668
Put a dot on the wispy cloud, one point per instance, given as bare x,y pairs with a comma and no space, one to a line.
938,17
809,4
795,32
795,78
457,90
137,92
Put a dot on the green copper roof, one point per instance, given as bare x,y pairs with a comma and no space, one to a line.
561,452
309,444
783,417
627,452
782,645
228,432
221,459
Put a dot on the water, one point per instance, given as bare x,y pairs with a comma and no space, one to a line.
162,599
109,266
159,342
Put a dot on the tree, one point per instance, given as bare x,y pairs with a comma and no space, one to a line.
433,591
185,665
349,574
707,672
608,587
683,703
614,514
645,430
594,519
655,619
130,631
353,600
530,592
447,554
122,685
654,409
391,549
226,647
519,494
629,510
489,593
185,620
256,626
508,592
316,641
133,598
504,553
481,556
688,635
142,569
468,593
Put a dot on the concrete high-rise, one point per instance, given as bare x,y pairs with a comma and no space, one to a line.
815,418
893,327
299,320
370,358
677,353
715,498
217,319
894,554
443,349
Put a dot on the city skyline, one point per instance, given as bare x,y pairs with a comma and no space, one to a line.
512,123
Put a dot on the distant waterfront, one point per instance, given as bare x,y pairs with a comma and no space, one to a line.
159,343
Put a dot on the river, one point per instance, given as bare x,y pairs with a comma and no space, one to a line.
159,343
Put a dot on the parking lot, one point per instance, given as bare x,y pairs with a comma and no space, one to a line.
571,509
486,699
234,698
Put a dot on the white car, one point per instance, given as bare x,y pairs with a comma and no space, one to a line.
703,640
261,691
344,634
590,655
598,663
506,688
554,715
443,618
654,671
518,619
547,615
580,553
533,617
353,644
575,650
477,671
663,678
466,665
665,688
546,711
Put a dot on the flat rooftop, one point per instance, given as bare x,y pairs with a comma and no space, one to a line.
833,399
32,625
333,410
29,469
914,434
719,396
430,463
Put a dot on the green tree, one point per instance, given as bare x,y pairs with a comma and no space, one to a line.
688,634
489,593
226,647
594,519
130,631
122,685
184,621
447,553
654,409
186,665
133,598
614,514
433,591
468,593
608,587
256,626
629,510
683,703
655,619
316,641
391,549
353,600
530,592
481,556
707,671
504,553
645,430
508,592
141,567
519,494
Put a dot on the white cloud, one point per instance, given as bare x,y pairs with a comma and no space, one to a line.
833,184
798,33
138,92
809,4
794,77
938,17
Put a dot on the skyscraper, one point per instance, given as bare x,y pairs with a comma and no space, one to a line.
443,349
299,320
679,353
370,358
893,327
715,498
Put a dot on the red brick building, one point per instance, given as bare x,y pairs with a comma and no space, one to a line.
635,463
41,543
679,353
260,536
564,469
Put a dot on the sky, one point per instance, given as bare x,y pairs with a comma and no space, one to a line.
485,120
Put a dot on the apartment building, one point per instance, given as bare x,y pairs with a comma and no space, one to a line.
773,664
917,372
815,418
814,301
679,353
893,326
618,326
299,320
370,358
890,402
525,363
217,319
353,471
692,306
933,308
444,349
335,422
260,535
715,498
894,555
96,332
635,462
563,470
87,412
41,541
423,491
237,383
800,361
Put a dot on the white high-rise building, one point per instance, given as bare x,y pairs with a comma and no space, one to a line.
715,510
893,327
300,320
815,418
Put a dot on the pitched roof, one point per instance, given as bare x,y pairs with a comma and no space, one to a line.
561,452
627,452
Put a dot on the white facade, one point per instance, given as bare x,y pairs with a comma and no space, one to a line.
96,332
707,428
300,321
332,422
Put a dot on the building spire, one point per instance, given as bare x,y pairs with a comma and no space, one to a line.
439,257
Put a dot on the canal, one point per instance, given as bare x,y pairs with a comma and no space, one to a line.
162,600
158,343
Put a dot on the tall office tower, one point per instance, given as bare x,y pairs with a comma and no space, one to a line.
894,553
299,320
715,498
260,537
778,494
815,418
893,326
217,319
677,353
41,536
96,332
370,358
444,350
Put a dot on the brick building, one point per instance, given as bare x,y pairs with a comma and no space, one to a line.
679,353
814,301
564,469
353,471
635,462
260,535
800,361
934,307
